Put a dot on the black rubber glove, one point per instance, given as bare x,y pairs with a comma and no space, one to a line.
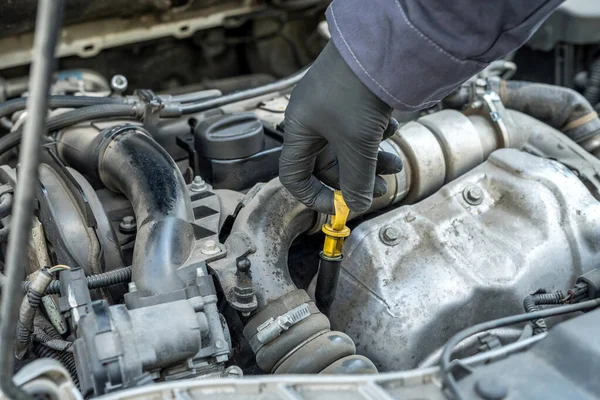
333,127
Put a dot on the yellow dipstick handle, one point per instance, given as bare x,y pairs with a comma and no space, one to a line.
336,230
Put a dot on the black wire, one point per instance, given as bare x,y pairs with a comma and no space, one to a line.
245,94
48,19
446,369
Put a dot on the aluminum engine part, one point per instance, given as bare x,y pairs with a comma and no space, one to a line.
456,264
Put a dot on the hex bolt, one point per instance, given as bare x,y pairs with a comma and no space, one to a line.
389,235
219,344
473,195
209,247
128,225
118,83
198,184
491,388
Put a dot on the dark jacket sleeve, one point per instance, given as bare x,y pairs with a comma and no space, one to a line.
412,53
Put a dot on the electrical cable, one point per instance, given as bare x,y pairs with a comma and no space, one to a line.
446,369
245,94
48,21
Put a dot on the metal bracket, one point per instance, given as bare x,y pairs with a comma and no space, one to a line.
152,108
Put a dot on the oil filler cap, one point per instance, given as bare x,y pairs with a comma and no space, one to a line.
230,136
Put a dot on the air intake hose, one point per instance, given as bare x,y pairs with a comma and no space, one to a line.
127,160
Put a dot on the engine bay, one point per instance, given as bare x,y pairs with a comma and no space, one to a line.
165,250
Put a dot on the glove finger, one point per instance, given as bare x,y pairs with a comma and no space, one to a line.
380,188
327,168
296,165
357,166
392,127
388,163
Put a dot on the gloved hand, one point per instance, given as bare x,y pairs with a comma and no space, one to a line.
333,126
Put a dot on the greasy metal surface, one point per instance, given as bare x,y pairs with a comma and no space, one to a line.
272,219
459,264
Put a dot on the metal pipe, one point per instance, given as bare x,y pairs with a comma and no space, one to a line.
48,21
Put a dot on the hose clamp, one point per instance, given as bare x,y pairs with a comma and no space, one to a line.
272,328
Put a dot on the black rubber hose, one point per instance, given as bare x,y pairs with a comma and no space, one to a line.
11,106
98,281
592,89
531,302
327,280
445,366
100,111
561,108
245,94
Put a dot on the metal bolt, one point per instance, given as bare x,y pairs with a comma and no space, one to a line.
491,388
219,344
198,184
128,224
209,247
132,287
473,195
118,83
389,235
233,372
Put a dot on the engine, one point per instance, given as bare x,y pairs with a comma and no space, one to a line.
164,248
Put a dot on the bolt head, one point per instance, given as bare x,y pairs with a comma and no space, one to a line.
219,344
118,83
209,247
389,235
132,287
234,372
128,224
473,195
198,184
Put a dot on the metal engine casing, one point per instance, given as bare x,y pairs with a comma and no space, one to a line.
457,264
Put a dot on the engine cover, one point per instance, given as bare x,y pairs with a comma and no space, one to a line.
418,274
